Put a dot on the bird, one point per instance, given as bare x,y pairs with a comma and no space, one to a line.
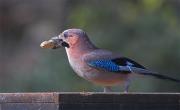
99,66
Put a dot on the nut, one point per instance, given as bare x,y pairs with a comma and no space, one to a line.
47,44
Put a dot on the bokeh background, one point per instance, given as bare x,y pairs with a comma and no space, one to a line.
147,31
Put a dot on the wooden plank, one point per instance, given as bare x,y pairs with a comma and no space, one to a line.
29,97
29,106
89,101
117,101
78,98
29,101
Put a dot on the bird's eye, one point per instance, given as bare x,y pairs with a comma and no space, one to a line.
65,34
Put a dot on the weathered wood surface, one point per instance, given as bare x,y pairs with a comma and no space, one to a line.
89,101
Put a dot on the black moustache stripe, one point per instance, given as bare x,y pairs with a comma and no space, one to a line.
64,44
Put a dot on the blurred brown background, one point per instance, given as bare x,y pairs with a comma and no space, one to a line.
147,31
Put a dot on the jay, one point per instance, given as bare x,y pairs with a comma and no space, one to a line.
99,66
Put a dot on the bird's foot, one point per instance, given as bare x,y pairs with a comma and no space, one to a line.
107,89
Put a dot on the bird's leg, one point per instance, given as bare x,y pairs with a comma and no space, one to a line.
127,85
107,89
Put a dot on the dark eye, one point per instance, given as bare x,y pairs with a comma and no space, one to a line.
65,34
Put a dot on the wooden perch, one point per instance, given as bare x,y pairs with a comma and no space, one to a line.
89,101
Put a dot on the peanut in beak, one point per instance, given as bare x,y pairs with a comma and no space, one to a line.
47,44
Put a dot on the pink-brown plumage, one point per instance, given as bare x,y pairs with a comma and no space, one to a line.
81,52
97,65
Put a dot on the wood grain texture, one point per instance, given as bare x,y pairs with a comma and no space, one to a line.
89,101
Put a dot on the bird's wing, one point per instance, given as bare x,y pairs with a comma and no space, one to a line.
125,66
121,64
110,62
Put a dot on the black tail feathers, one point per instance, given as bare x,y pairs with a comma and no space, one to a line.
162,77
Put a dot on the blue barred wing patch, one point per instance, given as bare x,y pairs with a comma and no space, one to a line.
107,65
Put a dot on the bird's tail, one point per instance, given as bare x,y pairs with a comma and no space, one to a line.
162,76
154,74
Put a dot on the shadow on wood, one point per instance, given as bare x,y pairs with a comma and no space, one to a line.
89,101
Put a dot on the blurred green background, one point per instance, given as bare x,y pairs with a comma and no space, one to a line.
147,31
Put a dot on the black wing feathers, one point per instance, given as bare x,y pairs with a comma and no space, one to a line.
123,62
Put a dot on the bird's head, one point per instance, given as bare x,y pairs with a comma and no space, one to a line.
68,38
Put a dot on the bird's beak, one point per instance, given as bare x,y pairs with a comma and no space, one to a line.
54,43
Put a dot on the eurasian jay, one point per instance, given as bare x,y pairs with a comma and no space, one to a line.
99,66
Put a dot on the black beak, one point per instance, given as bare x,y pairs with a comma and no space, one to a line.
58,43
